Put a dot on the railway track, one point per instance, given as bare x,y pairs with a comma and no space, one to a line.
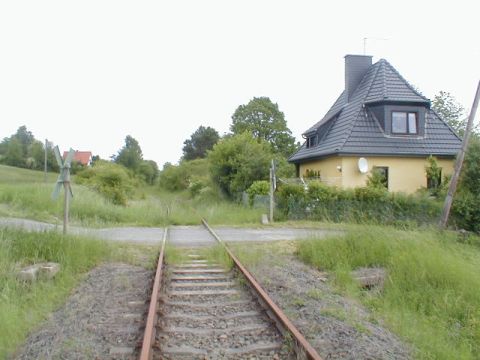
202,311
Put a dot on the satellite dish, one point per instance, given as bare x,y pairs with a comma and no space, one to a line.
363,165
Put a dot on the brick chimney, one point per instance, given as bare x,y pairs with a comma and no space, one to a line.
356,67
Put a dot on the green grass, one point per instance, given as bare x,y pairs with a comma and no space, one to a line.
431,295
24,194
217,255
24,305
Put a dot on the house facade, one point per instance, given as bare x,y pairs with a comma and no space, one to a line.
379,122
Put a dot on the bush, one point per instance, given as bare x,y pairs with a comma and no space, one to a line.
466,205
191,175
361,205
260,187
466,211
237,161
111,180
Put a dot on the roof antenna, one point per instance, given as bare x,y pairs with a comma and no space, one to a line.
370,38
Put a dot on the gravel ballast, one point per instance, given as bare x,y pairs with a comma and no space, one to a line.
102,319
337,327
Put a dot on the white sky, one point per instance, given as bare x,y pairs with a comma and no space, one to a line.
85,74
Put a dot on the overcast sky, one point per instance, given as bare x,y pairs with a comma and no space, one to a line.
85,74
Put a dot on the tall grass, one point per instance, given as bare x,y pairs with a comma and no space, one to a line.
31,198
431,295
24,305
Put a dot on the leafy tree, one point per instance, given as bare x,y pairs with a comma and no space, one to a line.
95,158
25,137
237,161
199,143
450,110
148,169
14,155
264,121
130,155
36,154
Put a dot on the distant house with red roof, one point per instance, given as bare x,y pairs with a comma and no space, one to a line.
82,157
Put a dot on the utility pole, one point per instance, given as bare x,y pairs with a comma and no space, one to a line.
459,163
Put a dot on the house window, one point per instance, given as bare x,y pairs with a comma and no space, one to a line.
311,141
381,175
404,122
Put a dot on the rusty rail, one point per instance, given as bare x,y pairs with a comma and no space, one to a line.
302,343
149,336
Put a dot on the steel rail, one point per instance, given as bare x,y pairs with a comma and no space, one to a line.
301,342
149,336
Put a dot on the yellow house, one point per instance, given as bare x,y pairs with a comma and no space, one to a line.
379,122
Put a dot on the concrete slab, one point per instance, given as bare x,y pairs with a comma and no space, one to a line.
269,234
190,236
145,235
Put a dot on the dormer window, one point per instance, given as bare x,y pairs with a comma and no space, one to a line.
312,141
404,123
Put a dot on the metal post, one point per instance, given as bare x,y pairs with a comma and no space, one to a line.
458,164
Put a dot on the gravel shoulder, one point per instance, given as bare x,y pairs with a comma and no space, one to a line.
102,319
338,328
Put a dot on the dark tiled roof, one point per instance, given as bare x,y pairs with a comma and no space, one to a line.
389,85
353,130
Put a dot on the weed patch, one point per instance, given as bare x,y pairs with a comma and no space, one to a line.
24,305
431,295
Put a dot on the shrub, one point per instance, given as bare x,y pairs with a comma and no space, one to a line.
237,161
260,187
189,175
111,180
361,205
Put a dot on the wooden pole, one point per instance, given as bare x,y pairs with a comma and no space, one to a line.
270,218
459,163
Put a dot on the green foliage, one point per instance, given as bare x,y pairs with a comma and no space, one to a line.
376,179
148,171
199,143
22,150
111,180
237,161
264,121
434,175
130,155
470,177
430,295
466,205
450,111
260,187
24,195
192,175
359,205
22,306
